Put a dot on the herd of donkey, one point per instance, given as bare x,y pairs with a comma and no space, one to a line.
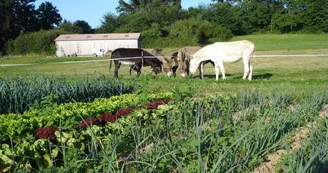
187,59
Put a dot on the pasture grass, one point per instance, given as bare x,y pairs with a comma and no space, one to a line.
264,42
268,72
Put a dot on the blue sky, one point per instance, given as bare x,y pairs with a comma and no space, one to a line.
93,11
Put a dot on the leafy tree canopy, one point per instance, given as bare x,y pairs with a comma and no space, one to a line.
48,16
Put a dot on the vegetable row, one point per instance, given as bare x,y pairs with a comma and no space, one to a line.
23,92
219,133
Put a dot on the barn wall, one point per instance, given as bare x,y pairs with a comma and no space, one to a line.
114,44
66,48
84,48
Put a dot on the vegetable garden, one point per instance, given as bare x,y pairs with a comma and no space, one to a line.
164,132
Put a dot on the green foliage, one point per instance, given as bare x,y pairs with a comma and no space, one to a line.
41,42
81,27
20,16
165,24
135,22
225,15
19,94
220,34
189,31
217,133
222,20
108,24
193,31
315,17
255,17
47,16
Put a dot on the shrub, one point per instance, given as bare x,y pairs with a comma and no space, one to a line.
188,32
41,42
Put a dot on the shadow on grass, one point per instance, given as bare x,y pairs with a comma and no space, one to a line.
265,76
262,76
208,76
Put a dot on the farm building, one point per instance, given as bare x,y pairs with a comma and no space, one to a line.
94,44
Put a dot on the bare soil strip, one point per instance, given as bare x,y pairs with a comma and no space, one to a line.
301,134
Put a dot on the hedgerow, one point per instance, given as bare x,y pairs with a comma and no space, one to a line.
41,42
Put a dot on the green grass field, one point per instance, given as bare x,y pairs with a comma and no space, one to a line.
268,72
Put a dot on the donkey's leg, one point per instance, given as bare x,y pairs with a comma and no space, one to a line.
117,66
217,71
201,70
131,68
174,69
183,69
222,70
138,69
246,68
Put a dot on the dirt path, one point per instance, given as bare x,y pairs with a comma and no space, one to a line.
66,62
301,134
256,56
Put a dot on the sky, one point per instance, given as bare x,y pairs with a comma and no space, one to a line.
93,11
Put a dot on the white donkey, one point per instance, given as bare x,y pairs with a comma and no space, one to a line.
221,52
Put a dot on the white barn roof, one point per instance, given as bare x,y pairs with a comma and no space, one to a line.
112,36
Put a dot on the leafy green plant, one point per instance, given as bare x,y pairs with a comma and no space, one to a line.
216,133
22,92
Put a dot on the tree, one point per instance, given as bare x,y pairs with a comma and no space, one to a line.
147,5
16,17
66,26
78,27
164,12
82,27
195,31
315,16
255,16
109,23
134,22
138,15
48,16
225,15
290,18
6,20
134,5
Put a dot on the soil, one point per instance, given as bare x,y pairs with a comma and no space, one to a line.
301,134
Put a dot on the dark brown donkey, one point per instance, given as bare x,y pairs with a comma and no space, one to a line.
136,58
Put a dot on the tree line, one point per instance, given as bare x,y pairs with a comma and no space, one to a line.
163,23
